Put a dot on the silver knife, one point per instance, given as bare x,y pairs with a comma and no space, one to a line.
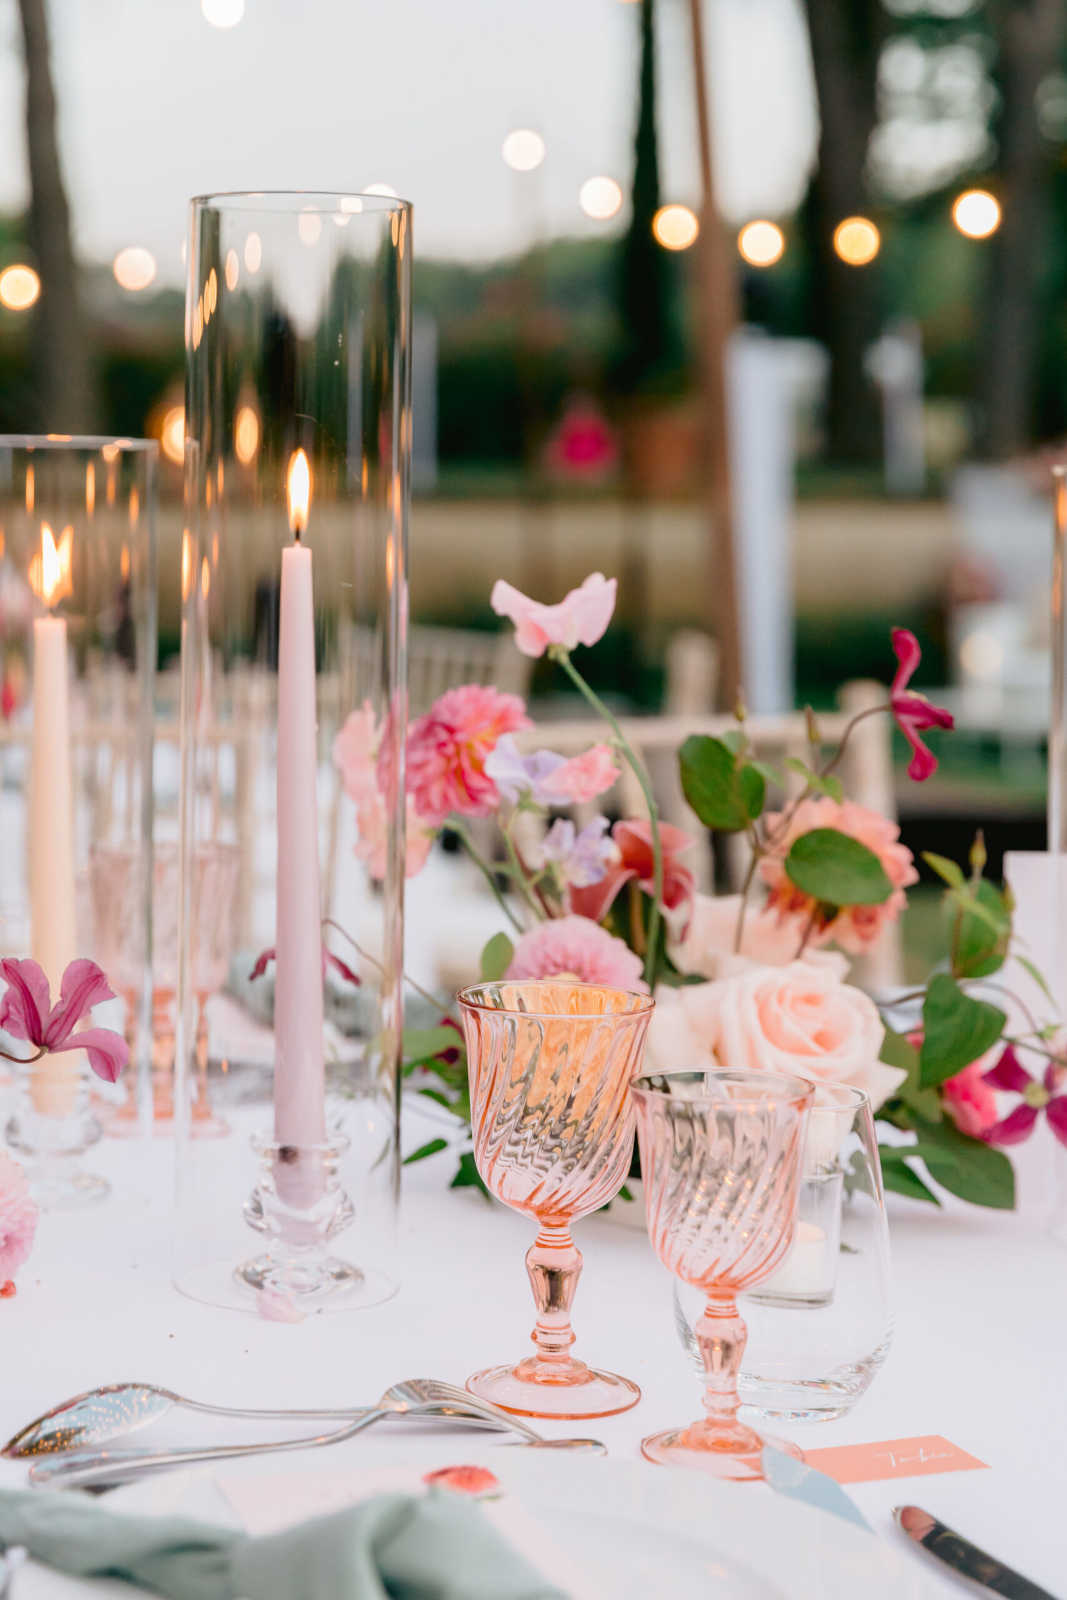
965,1558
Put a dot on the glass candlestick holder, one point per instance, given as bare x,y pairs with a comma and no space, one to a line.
77,666
293,718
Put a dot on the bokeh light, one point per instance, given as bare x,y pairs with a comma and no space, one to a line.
253,252
172,434
20,287
523,150
245,434
134,268
761,243
675,227
857,241
223,13
976,213
233,269
600,198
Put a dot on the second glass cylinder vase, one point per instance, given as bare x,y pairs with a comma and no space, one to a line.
294,580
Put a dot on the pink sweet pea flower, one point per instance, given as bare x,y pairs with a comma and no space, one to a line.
581,617
447,749
583,778
574,947
1038,1094
634,842
25,1013
912,711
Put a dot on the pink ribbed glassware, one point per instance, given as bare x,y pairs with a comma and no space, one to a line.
720,1160
550,1070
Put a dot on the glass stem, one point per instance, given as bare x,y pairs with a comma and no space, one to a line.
553,1263
721,1337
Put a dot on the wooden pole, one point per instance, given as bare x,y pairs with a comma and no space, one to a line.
718,303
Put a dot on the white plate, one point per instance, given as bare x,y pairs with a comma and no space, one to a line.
623,1528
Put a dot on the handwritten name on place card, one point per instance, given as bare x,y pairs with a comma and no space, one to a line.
892,1458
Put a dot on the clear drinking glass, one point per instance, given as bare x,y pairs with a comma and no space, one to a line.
550,1068
294,583
720,1161
77,666
820,1327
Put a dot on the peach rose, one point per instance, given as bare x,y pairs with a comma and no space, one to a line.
801,1018
708,947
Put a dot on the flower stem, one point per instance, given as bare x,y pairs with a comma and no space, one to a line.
519,872
24,1061
739,930
485,869
637,767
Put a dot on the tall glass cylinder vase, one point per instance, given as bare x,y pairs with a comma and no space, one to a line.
77,666
294,577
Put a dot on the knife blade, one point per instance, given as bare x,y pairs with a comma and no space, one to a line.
964,1557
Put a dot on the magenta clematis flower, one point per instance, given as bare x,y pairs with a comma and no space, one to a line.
25,1013
1038,1094
912,711
343,970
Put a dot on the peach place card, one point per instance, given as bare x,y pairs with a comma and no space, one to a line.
892,1458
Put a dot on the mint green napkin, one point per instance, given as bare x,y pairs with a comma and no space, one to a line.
437,1546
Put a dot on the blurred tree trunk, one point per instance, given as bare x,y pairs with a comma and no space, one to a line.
63,385
1029,36
846,38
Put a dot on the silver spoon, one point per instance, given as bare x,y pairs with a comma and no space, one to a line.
117,1409
107,1468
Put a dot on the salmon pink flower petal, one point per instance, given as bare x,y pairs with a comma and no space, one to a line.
107,1050
634,843
83,986
912,712
464,1480
1056,1112
355,752
1014,1128
584,777
581,617
1009,1073
26,1001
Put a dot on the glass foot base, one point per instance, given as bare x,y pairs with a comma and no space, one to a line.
732,1454
306,1282
581,1392
57,1190
220,1283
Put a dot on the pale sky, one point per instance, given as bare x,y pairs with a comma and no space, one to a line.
157,105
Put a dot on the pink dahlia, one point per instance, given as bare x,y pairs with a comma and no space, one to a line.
854,928
574,947
18,1217
447,749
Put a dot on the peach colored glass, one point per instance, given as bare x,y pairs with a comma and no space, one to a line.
720,1159
550,1069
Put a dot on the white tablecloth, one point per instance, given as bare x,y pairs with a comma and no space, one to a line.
978,1355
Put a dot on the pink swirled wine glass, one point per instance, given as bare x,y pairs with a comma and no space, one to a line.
550,1069
720,1160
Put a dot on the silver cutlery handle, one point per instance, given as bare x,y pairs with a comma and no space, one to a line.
103,1468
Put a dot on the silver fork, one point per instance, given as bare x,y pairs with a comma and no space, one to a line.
417,1397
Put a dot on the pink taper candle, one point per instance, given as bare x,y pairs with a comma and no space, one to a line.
299,1079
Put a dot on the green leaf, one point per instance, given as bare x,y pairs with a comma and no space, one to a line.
947,870
726,796
439,1096
981,931
735,740
431,1149
1035,973
768,773
837,870
898,1051
422,1044
899,1177
969,1168
496,957
467,1175
957,1029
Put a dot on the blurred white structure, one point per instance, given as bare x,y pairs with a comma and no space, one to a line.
895,363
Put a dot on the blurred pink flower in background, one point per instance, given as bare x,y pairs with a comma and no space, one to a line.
583,777
355,753
581,617
854,928
372,844
912,711
18,1217
357,756
574,947
634,842
448,746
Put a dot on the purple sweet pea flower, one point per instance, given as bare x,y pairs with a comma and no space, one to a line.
1038,1094
582,858
522,777
25,1013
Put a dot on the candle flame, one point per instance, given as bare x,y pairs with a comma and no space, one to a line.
298,491
50,570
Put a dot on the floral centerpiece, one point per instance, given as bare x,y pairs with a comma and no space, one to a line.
760,978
